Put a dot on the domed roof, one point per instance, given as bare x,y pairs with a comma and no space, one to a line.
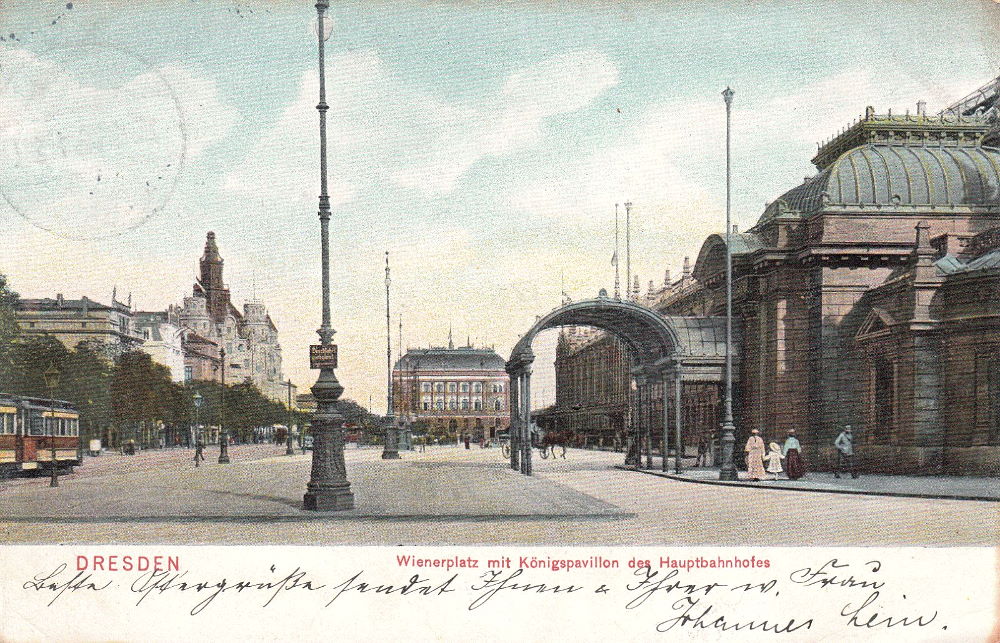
891,175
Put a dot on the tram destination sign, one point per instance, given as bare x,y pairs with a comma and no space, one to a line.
323,356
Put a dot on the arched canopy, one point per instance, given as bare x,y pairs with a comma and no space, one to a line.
650,335
653,338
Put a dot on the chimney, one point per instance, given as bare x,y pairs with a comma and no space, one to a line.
651,287
59,300
736,229
687,268
666,277
922,108
869,112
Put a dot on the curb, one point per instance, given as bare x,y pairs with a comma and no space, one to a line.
855,492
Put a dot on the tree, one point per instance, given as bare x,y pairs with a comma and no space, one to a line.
140,392
30,357
86,383
8,332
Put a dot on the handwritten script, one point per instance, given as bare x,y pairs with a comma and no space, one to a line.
853,595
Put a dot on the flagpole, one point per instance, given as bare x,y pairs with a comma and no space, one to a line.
617,289
628,246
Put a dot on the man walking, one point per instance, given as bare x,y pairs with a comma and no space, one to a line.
199,453
845,452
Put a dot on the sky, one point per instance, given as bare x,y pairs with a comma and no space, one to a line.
483,144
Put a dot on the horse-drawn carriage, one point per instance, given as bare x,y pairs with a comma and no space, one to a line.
547,442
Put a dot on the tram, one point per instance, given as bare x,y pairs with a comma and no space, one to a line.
35,432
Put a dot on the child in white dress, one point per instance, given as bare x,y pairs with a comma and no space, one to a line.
774,459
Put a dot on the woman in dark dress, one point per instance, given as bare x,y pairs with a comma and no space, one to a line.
795,466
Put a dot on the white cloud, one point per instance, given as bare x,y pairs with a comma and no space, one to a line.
513,119
284,164
91,160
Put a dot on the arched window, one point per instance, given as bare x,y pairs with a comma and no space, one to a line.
465,387
479,405
477,387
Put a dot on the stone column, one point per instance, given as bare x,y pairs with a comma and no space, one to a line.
678,389
515,420
526,422
650,383
666,421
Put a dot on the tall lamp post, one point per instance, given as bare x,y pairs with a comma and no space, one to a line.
198,401
390,450
728,440
328,488
223,433
51,376
288,444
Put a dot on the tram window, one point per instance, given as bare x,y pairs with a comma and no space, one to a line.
3,423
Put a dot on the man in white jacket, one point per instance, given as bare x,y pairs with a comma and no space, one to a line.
845,452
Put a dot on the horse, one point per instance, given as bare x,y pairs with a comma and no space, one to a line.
552,439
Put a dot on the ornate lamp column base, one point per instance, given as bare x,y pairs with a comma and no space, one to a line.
328,488
390,450
728,441
224,448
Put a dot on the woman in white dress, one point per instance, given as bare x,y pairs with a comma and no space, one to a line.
755,456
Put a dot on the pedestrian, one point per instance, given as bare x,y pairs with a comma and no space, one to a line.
794,464
199,453
465,438
845,453
755,456
423,443
774,459
702,452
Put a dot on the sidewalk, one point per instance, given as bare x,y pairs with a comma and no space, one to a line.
933,487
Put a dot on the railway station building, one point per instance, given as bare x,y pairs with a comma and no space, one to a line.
868,295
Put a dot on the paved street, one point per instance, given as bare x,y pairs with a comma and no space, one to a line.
450,495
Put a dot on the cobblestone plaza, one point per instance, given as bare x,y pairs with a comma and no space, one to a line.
428,498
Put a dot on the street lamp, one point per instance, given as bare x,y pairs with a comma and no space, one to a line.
288,446
223,434
390,450
51,376
198,401
728,440
328,487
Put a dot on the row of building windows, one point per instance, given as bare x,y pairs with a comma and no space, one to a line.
454,387
454,405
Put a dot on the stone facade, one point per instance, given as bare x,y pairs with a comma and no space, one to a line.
249,337
867,295
163,338
111,328
453,390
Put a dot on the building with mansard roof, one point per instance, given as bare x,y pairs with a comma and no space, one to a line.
213,323
452,391
866,295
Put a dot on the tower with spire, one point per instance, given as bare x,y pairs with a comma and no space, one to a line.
249,337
